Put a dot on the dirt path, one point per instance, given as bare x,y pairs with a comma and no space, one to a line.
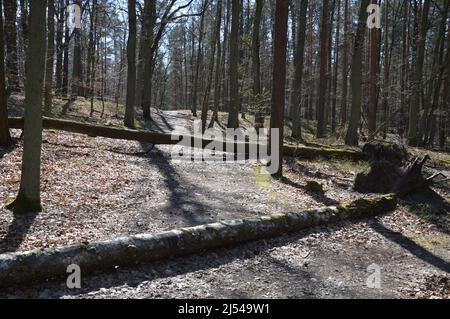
96,189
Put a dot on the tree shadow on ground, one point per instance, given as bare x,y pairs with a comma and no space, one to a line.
134,276
8,150
183,199
431,207
17,231
412,247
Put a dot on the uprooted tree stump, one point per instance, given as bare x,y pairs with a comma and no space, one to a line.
389,174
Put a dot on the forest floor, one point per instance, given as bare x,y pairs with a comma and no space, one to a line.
96,188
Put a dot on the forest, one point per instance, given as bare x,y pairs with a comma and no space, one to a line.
347,100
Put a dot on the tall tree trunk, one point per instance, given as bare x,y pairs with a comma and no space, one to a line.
77,85
356,77
148,18
131,55
428,119
216,34
65,81
279,80
386,67
336,68
60,47
199,58
24,34
404,68
310,90
417,77
48,94
233,118
298,74
256,62
373,56
91,48
321,123
445,112
5,137
28,199
12,65
345,65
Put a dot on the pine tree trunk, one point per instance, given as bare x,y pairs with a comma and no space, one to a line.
28,199
5,138
216,34
256,62
386,77
352,137
12,65
324,41
298,74
417,77
131,55
76,70
149,16
65,81
310,90
199,59
345,64
445,112
233,118
404,69
279,80
336,69
48,94
60,47
373,56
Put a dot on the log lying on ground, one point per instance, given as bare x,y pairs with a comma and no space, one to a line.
168,139
23,267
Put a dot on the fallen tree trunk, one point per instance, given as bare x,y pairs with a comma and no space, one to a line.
52,263
168,139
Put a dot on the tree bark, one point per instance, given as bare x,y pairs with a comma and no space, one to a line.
77,81
65,81
445,113
324,41
233,118
199,59
345,64
352,137
336,69
10,33
28,199
279,80
131,55
48,94
373,57
60,46
256,62
149,16
417,77
298,74
386,67
5,137
216,34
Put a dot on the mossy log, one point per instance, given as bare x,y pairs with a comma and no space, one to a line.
168,139
52,263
